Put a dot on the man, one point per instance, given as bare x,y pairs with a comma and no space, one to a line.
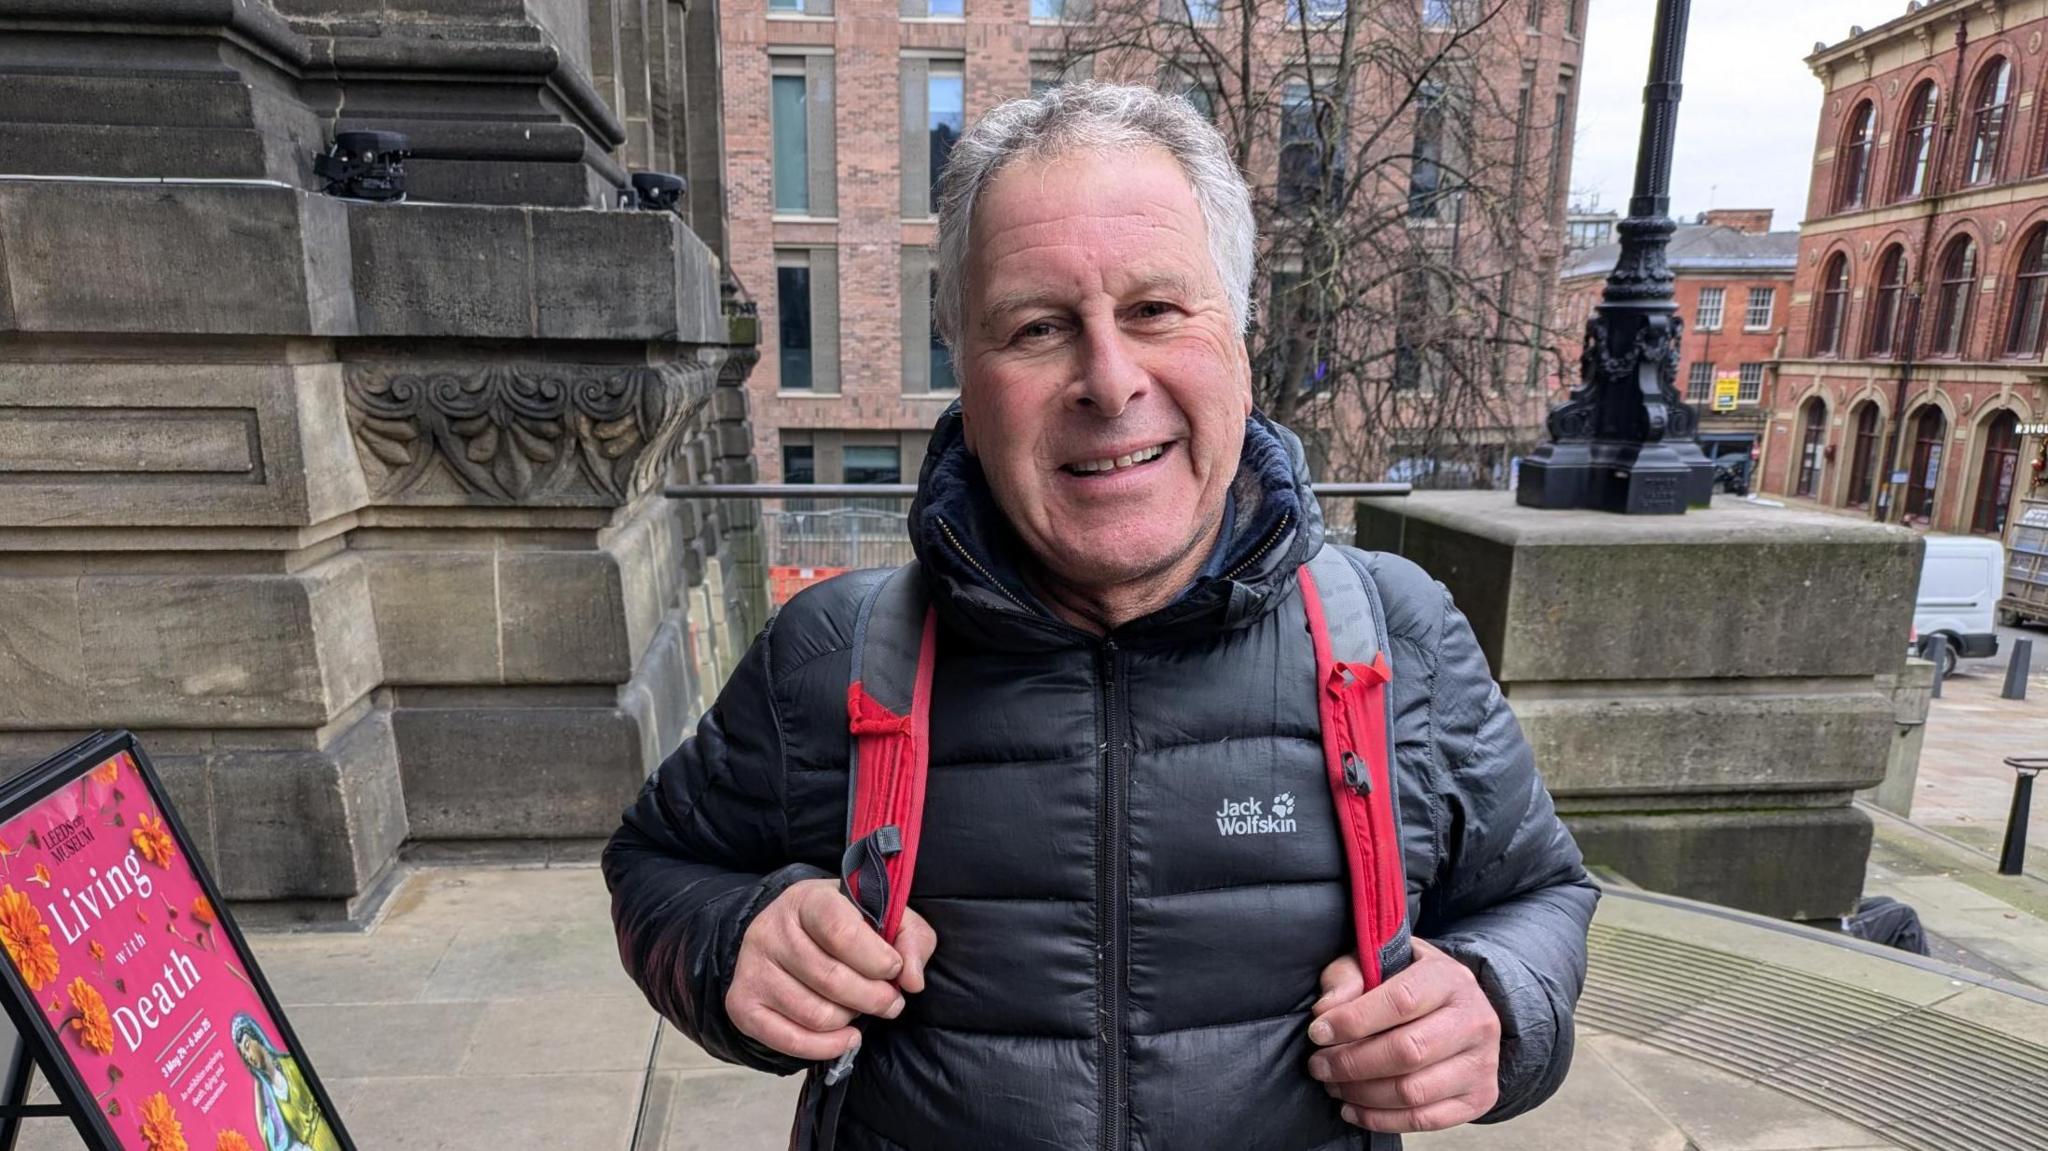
1111,537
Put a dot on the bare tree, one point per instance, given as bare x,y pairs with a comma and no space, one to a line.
1403,206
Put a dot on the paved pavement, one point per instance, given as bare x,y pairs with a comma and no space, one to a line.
486,1012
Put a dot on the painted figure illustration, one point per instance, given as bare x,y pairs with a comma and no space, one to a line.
286,1111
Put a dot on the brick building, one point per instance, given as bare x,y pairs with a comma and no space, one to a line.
1734,285
838,113
1917,319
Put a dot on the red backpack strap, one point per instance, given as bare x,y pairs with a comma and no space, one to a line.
1352,674
888,711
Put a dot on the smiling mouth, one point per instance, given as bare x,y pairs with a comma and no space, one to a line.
1119,463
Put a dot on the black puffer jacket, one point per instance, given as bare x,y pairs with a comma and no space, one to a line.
1134,982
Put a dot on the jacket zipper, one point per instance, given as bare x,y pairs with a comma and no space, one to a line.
1112,911
1272,537
969,557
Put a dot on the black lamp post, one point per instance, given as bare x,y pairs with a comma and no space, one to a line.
1624,441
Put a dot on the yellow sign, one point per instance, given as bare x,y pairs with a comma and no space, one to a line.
1727,390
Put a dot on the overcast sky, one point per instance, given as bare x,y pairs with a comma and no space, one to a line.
1746,124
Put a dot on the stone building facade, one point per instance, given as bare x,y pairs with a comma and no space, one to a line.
1734,287
352,509
836,242
1914,359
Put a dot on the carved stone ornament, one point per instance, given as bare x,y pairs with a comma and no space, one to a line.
1995,9
1891,90
1998,232
2034,43
525,433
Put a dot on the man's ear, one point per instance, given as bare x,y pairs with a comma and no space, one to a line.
1244,363
968,427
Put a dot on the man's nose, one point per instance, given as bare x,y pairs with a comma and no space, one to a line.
1110,374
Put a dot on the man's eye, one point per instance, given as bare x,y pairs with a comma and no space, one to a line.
1036,331
1152,309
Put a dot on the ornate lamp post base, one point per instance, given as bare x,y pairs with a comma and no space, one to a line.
1624,441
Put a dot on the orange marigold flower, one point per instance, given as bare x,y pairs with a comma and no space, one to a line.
202,910
107,772
160,1126
42,874
231,1141
152,839
94,1026
99,951
27,939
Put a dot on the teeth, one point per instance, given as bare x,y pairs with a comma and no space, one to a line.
1092,467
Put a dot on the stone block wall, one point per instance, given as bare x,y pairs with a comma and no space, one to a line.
353,511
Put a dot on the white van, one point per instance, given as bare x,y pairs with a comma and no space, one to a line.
1960,581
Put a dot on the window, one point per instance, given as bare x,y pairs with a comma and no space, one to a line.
1762,302
1699,387
1301,147
1923,481
1916,144
945,119
1192,83
1426,175
1045,76
873,464
799,465
1571,17
792,144
785,5
1884,314
1751,388
1854,162
1437,14
1987,121
940,357
1952,309
1995,478
1318,11
1418,353
793,312
1048,11
1192,11
1535,18
1560,144
1710,305
1862,468
1834,307
945,8
2026,335
1812,447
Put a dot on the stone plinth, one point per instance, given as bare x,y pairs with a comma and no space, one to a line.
352,511
1705,693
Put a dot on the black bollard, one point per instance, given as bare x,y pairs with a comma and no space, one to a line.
2017,669
2012,856
1937,651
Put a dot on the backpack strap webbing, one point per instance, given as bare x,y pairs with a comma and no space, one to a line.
1352,673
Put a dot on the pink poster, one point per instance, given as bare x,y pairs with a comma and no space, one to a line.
113,936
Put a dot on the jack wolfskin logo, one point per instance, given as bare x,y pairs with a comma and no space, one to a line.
1248,816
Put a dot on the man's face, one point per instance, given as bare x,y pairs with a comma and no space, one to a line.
1105,383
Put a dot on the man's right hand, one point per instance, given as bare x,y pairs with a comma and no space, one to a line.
809,964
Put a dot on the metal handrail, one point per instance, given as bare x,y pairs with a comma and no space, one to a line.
905,491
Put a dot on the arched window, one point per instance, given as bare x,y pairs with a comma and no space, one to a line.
1916,142
1884,308
1987,120
1924,480
1952,310
1862,467
2025,335
1812,445
1834,306
1995,478
1854,187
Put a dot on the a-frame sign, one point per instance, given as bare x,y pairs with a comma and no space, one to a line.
126,979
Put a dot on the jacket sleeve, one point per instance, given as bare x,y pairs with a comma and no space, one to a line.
1513,901
700,853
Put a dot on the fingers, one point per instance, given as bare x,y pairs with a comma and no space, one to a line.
915,942
1455,1078
1426,1042
840,983
1433,1117
1343,981
835,926
1403,999
777,1032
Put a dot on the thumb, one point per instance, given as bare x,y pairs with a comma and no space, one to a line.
915,942
1343,981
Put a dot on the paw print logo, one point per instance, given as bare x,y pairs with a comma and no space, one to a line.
1283,805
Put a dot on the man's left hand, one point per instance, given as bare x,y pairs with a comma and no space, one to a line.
1420,1052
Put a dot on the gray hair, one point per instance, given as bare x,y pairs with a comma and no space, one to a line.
1096,117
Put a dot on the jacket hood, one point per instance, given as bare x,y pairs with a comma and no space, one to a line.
973,561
